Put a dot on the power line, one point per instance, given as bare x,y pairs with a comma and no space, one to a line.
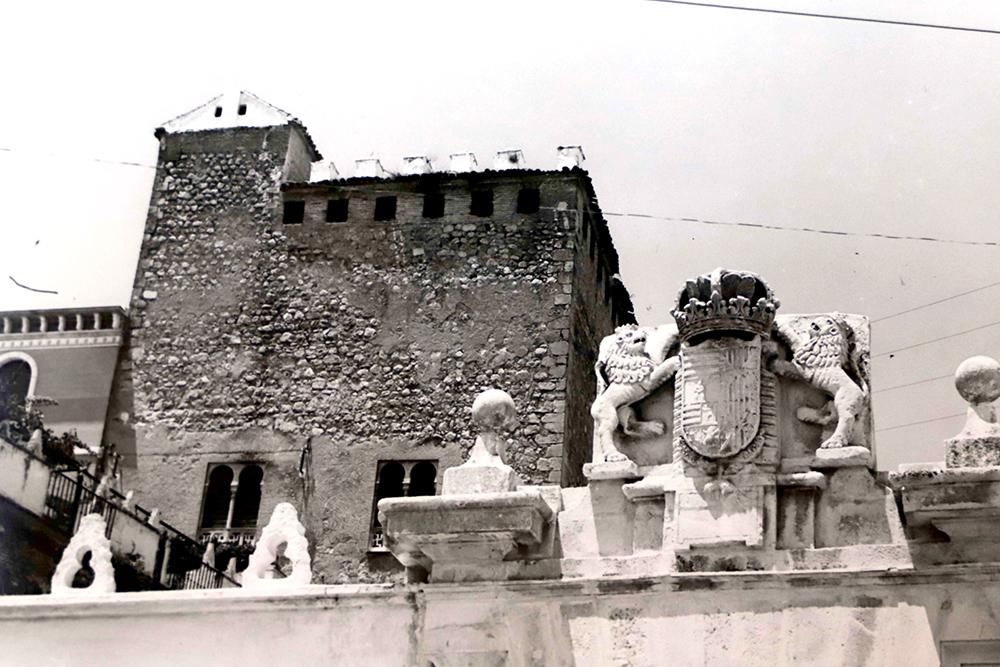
934,303
910,384
838,17
935,340
811,230
922,421
84,159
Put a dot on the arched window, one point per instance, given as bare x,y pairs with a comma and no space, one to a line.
216,511
422,479
15,387
247,497
390,481
399,478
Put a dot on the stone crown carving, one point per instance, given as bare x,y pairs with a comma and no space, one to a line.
725,300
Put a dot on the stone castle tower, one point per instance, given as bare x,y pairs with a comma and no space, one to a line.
317,342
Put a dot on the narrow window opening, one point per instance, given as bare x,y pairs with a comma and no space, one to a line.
34,324
434,205
385,208
216,510
336,210
294,212
388,484
422,479
528,200
247,503
482,203
218,111
242,110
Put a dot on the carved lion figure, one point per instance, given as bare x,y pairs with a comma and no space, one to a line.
625,374
822,359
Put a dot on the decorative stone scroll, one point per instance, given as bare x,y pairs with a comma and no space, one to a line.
89,537
283,528
756,434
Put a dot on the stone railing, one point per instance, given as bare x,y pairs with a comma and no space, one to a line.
46,321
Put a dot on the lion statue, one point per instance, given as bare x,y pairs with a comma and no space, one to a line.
823,358
626,373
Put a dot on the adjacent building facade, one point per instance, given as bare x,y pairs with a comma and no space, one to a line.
67,356
316,342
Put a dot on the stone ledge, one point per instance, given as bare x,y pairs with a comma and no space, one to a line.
914,477
842,457
471,537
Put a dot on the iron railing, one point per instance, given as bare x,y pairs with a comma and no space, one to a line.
72,494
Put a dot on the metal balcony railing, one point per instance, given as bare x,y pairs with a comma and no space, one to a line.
72,493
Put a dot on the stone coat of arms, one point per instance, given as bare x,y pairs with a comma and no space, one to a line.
720,396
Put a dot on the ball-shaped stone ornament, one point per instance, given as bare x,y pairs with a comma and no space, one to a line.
978,379
493,410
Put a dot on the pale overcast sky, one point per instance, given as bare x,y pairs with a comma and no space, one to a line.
683,112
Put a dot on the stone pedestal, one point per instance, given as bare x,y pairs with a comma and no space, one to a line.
473,478
704,512
598,520
472,537
963,503
962,500
797,495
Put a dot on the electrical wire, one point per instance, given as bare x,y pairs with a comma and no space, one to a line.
934,303
935,340
839,17
916,382
84,159
812,230
922,421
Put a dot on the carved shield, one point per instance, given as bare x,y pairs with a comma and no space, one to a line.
720,396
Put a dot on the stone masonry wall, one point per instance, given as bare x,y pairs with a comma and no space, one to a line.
254,340
600,303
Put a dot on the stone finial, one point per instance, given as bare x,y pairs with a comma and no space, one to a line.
89,537
283,528
208,557
493,414
154,518
35,442
129,502
977,380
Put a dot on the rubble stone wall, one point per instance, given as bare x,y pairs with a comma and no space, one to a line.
367,340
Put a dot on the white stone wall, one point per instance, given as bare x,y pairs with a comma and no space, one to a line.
829,618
